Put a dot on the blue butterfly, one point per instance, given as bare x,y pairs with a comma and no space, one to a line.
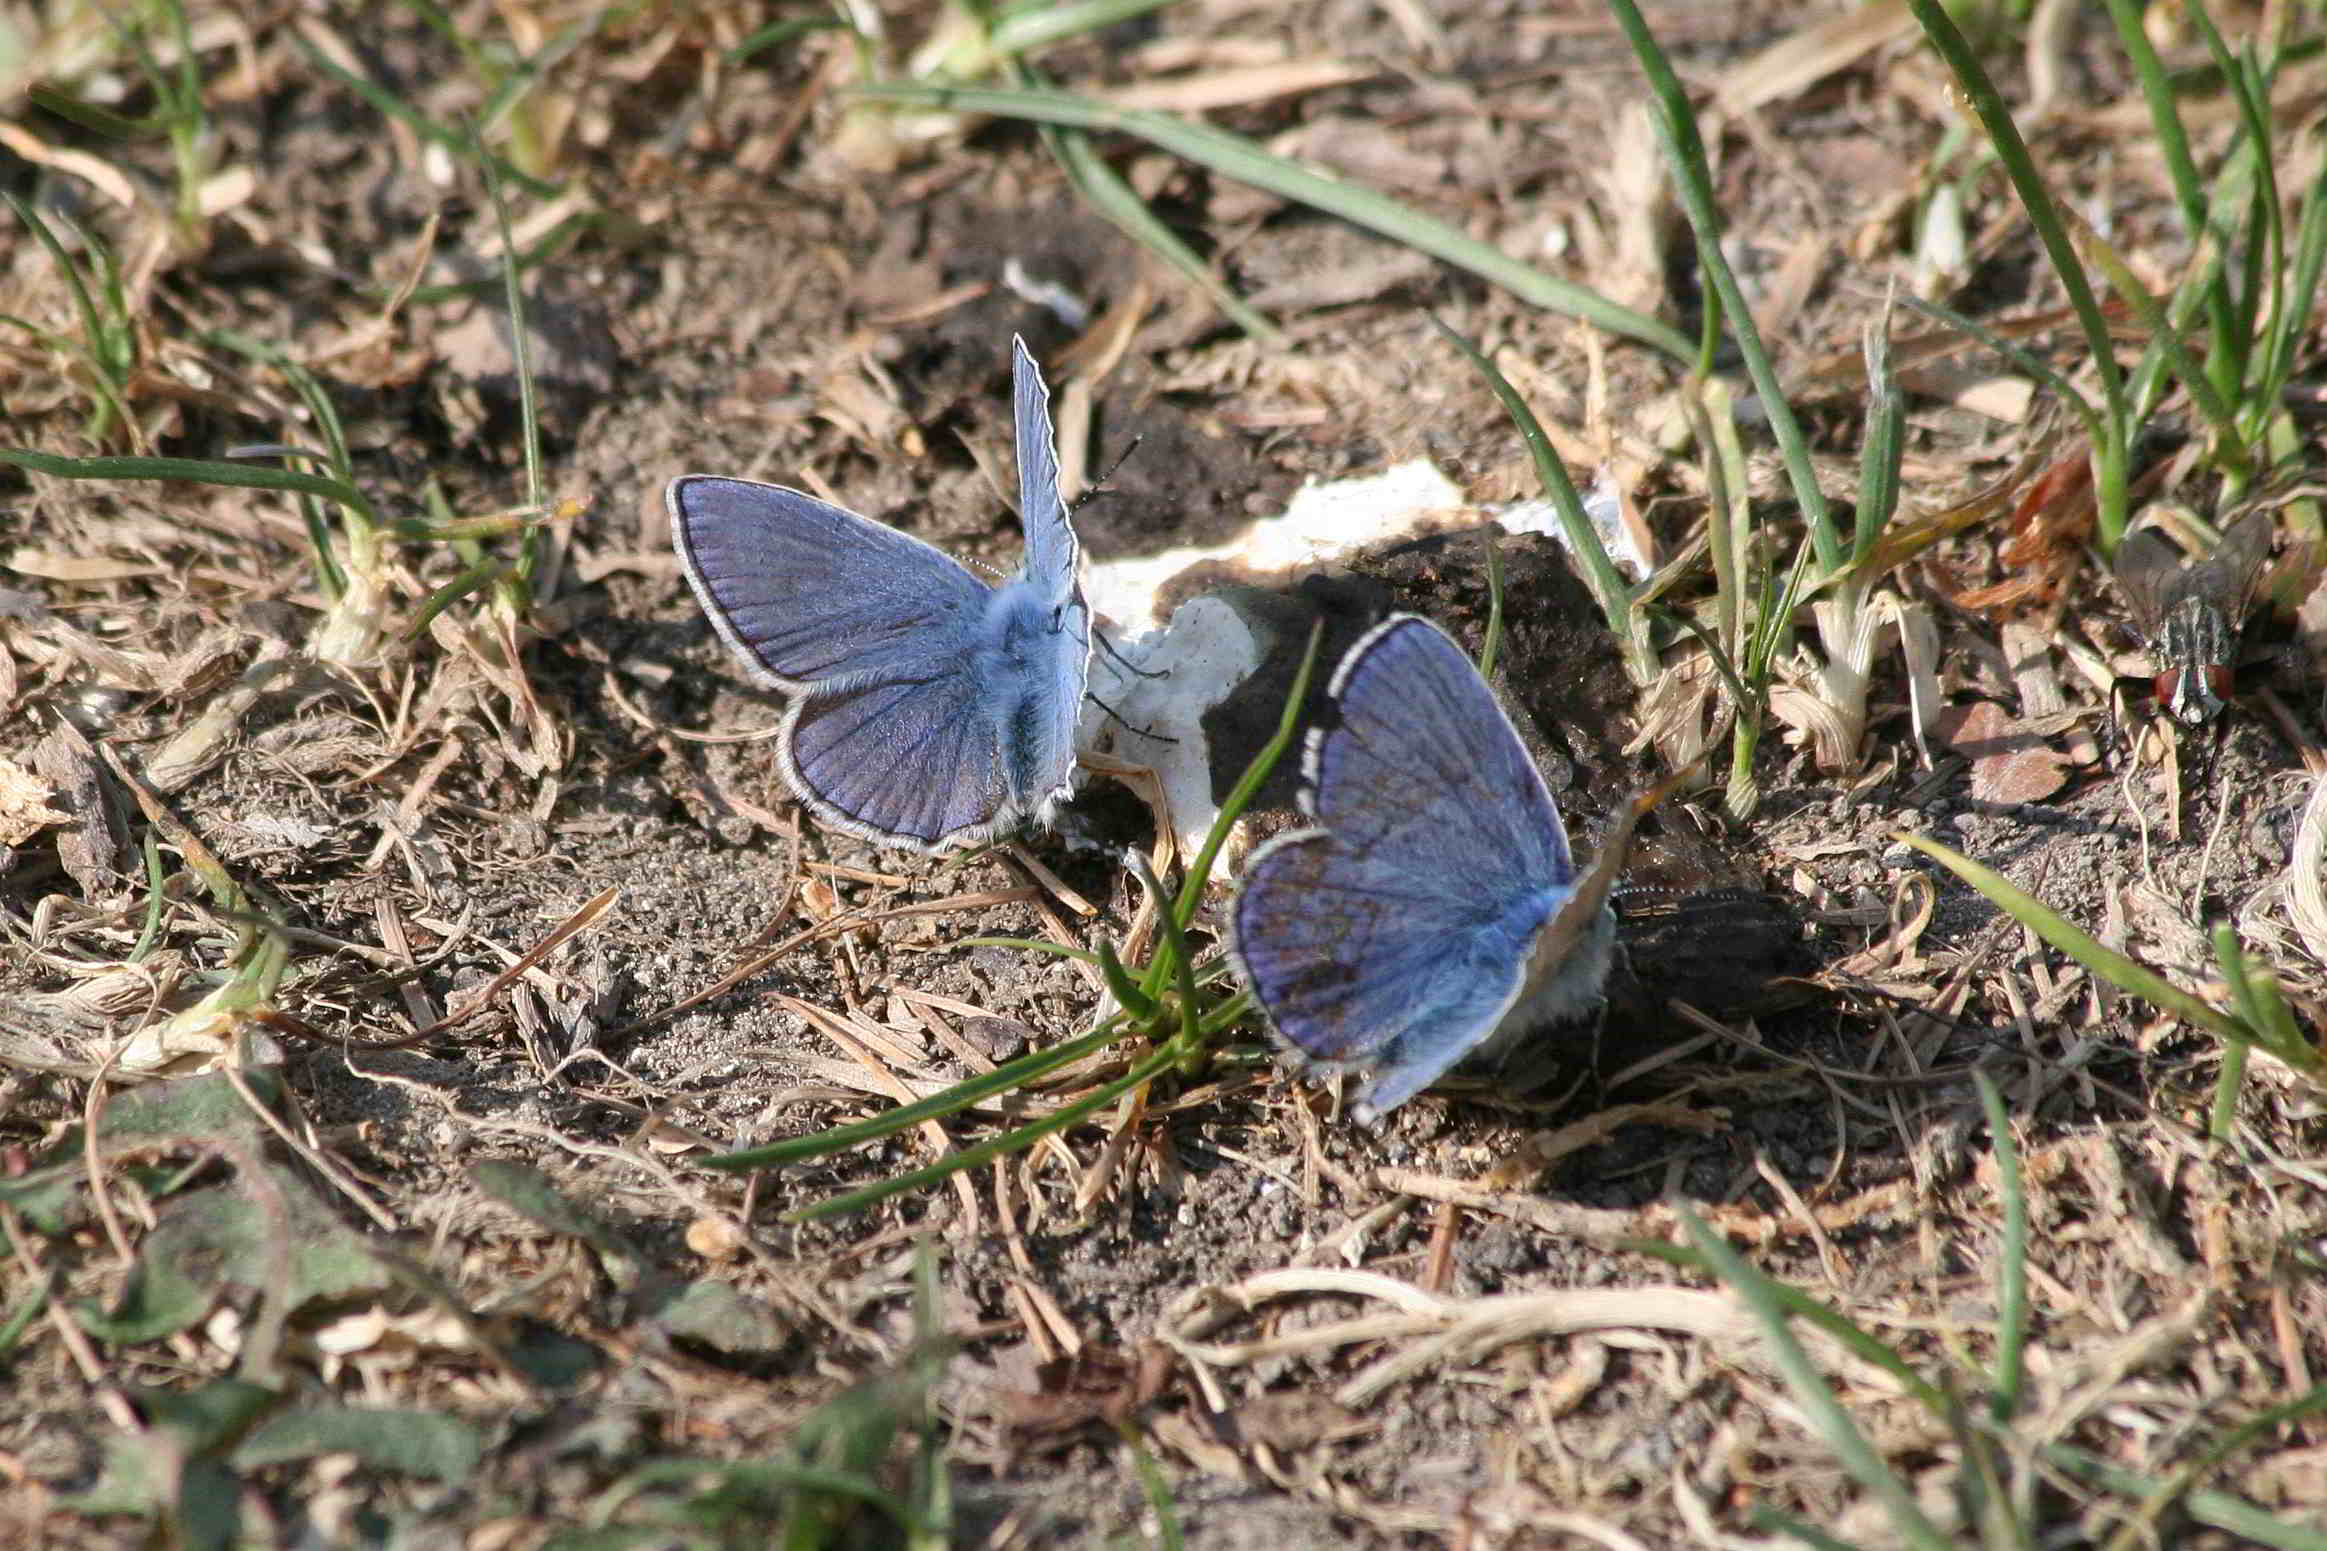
929,710
1433,910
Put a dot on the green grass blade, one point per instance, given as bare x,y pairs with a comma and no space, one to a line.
2288,325
1288,721
1116,200
419,123
1493,644
1032,945
1884,450
2060,387
1011,1074
2176,1487
1800,1305
2165,338
1676,127
1105,191
1025,28
1767,1518
1176,954
2004,135
1235,157
2123,973
986,1152
481,574
1156,1489
200,471
2252,1526
1126,991
1811,1390
775,33
2012,1268
2222,1114
521,352
311,393
1607,585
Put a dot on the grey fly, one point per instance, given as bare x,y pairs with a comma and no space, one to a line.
2191,614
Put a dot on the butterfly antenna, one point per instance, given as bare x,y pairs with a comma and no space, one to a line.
1116,717
1124,662
1098,487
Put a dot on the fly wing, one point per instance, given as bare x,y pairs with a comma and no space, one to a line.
2147,570
2232,570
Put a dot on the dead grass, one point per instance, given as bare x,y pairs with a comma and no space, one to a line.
386,949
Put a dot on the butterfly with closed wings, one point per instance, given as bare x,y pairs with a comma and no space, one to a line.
1433,911
929,709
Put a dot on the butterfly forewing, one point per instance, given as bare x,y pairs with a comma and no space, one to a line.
803,590
1051,550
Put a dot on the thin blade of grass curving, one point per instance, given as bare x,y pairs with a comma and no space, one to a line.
481,574
2215,1510
199,471
1883,450
108,342
1127,992
1033,945
2060,387
1105,191
1101,186
2114,447
2165,341
1236,157
1025,28
2120,971
1157,1063
2289,324
1174,942
1152,1484
1492,646
1811,1391
419,123
775,33
1800,1305
1241,795
1609,590
2143,1528
1676,127
1011,1074
521,577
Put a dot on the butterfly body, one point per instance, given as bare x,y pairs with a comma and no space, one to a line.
1433,911
929,709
